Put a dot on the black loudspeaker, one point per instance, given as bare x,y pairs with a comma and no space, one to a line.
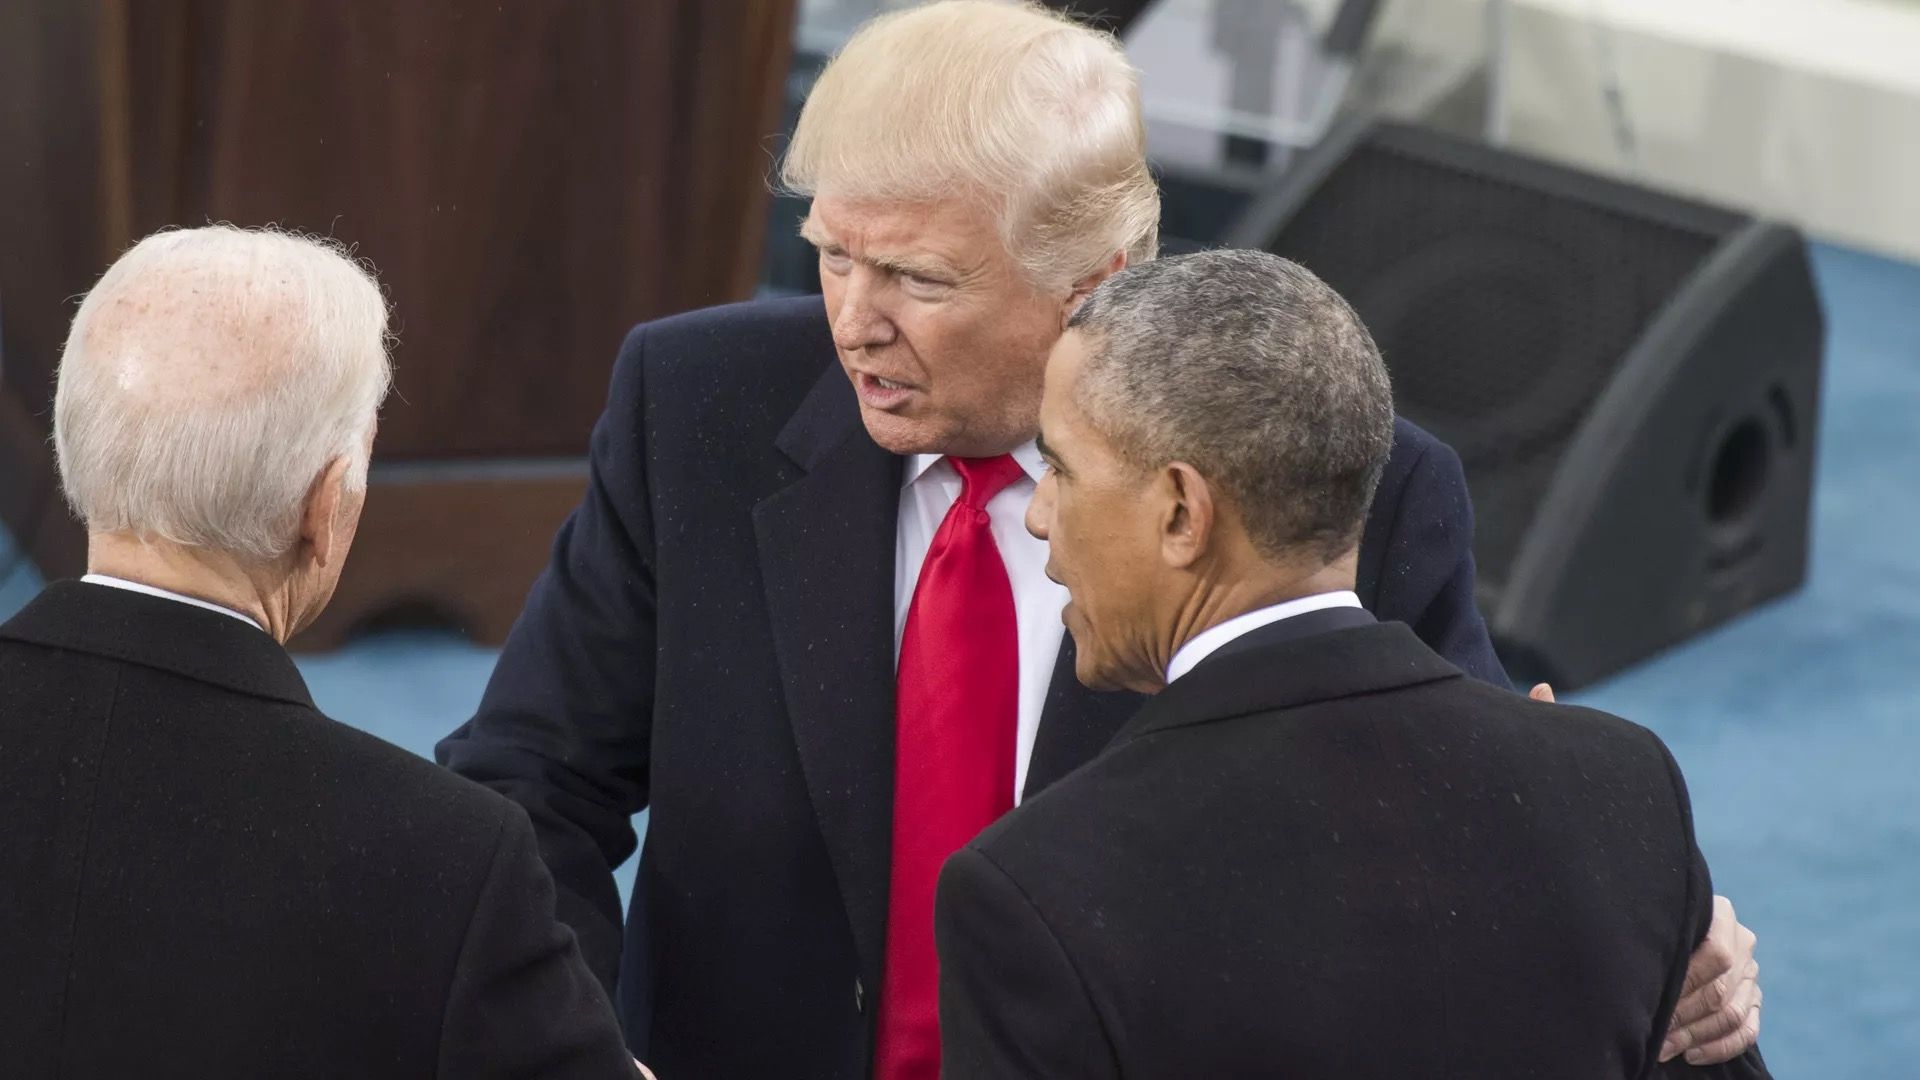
1632,380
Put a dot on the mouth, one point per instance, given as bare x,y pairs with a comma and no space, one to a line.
884,394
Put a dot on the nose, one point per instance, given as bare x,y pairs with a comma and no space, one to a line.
1040,508
860,323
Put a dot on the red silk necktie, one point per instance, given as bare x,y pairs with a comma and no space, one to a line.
956,722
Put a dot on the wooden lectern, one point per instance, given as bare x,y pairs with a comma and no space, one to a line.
530,179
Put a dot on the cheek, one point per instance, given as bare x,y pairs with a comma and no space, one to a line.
948,348
1105,548
1079,552
920,332
975,349
1029,329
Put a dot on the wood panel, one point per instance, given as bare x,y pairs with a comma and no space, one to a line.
30,500
530,179
53,240
52,244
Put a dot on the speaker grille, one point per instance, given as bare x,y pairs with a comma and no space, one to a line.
1503,295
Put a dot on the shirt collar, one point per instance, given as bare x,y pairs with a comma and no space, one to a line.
152,590
1210,640
1027,454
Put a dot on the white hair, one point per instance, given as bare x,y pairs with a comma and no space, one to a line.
210,377
1034,114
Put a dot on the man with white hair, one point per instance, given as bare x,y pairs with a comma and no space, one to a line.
204,875
796,615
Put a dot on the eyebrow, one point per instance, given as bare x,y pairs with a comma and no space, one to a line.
931,268
1047,452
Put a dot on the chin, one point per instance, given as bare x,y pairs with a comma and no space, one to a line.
1093,671
1098,671
1094,678
901,435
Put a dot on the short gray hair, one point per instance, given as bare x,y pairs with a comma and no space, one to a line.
209,377
1256,373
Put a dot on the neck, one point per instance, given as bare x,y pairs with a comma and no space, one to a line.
262,593
1222,595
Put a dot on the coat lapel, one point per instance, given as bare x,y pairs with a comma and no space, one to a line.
826,546
1075,724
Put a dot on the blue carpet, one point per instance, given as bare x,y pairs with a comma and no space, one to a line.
1794,725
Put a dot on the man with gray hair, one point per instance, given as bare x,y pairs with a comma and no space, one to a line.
1318,821
204,875
795,616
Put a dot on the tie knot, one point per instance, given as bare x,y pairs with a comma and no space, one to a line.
983,478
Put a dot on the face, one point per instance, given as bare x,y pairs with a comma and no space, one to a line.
1102,518
936,326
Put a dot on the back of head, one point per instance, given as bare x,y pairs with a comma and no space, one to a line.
1026,110
1255,372
210,377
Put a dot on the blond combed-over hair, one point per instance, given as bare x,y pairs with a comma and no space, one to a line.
1024,109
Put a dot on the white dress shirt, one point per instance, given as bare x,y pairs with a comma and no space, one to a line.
1211,640
135,586
932,485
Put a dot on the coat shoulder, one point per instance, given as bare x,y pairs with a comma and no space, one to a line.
1411,442
740,368
772,336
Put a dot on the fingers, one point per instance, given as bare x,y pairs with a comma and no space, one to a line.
1714,976
1727,944
1541,692
1717,1008
1731,1046
1711,1020
1717,1016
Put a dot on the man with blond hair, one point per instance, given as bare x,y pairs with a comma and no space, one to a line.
796,615
204,876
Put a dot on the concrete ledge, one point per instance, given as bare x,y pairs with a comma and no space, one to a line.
1803,110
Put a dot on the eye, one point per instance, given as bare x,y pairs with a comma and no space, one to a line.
923,286
835,260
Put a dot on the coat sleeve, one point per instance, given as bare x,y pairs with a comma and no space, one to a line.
564,728
1424,554
522,1002
1011,1002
